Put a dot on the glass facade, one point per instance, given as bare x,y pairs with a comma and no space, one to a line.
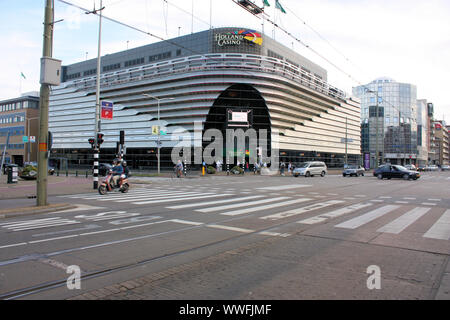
396,123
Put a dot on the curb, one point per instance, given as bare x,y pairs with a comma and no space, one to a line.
25,211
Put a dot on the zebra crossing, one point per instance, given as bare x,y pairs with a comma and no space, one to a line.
232,203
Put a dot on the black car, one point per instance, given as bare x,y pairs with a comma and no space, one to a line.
395,171
103,168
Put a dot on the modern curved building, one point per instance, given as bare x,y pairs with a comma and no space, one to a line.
197,80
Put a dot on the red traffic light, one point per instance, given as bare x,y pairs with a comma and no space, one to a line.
100,138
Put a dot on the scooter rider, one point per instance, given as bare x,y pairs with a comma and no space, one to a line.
126,171
117,171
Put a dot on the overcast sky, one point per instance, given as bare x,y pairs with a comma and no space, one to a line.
407,40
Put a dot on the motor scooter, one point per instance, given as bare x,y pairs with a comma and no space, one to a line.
108,184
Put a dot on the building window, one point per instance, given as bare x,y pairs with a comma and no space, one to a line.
134,62
110,67
160,56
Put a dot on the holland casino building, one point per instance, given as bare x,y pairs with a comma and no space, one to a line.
203,78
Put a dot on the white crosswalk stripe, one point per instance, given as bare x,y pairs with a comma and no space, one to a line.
202,204
367,217
335,213
401,223
315,206
260,208
441,229
37,224
237,205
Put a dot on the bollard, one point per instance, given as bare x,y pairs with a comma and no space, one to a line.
67,173
76,173
86,174
57,173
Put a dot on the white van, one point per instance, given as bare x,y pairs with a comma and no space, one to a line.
310,168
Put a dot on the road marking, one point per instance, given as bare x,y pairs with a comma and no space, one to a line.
366,218
131,197
13,245
385,197
286,187
441,229
402,202
134,219
200,204
87,227
298,211
274,234
260,208
53,239
402,222
377,200
205,195
187,222
237,205
37,224
107,215
335,213
216,226
428,204
408,198
434,199
97,232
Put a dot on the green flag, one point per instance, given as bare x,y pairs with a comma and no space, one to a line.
266,3
23,75
278,6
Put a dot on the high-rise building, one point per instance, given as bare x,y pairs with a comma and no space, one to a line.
388,121
441,154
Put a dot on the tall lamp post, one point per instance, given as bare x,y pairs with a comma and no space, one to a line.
159,127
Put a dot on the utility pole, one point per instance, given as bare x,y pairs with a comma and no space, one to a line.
346,141
41,192
97,95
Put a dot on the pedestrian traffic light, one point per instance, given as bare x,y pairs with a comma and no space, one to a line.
99,139
92,142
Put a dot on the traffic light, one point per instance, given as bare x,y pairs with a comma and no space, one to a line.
92,142
100,139
122,137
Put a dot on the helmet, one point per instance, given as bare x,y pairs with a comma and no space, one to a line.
124,163
116,161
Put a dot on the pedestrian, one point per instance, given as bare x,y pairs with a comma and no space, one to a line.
289,167
282,166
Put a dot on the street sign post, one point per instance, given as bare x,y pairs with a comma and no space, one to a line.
107,110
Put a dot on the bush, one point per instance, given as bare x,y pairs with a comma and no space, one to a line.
211,170
237,170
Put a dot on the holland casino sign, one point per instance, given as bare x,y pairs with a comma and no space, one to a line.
237,37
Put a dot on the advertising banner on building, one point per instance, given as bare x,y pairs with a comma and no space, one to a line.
366,161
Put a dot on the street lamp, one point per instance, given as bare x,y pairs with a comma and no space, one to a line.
159,126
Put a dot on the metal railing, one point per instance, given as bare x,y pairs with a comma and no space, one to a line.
213,62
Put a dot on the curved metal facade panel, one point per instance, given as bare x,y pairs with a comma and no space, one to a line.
310,114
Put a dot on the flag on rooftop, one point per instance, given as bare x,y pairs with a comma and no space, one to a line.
278,6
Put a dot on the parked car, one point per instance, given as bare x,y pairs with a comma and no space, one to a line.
353,170
310,168
395,171
445,168
422,168
51,169
411,167
432,168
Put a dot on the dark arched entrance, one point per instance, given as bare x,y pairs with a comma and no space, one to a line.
239,98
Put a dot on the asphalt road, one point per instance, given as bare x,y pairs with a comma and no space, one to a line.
239,237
